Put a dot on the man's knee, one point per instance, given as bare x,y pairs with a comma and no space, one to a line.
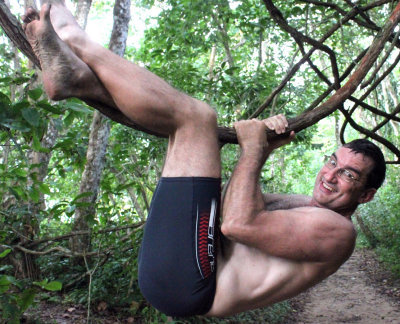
210,115
195,113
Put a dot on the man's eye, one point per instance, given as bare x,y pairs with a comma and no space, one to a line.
348,174
332,163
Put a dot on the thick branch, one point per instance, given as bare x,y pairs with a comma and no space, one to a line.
227,135
14,31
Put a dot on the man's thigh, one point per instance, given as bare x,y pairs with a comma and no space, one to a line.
177,264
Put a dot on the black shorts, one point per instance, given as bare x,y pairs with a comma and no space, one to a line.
177,262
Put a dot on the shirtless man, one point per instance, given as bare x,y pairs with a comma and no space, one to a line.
274,246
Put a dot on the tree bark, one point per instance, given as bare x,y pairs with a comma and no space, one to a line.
370,236
99,135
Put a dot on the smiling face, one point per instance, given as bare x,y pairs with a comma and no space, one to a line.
332,191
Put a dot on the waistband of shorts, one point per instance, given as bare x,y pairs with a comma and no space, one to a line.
190,179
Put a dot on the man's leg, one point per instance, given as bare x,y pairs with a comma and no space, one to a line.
142,96
177,263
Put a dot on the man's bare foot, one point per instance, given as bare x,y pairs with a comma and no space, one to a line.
64,74
64,23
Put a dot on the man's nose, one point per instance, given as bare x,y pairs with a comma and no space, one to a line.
331,175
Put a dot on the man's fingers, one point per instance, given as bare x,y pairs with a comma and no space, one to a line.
277,123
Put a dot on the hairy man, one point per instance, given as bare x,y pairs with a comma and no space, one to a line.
274,246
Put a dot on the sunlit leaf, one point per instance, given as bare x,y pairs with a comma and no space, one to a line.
4,253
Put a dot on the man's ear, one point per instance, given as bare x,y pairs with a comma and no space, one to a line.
367,196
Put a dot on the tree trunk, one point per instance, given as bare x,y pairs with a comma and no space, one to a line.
31,227
82,12
98,140
26,266
370,236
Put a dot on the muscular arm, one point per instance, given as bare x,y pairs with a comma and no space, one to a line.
301,234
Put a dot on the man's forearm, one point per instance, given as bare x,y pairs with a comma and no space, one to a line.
243,199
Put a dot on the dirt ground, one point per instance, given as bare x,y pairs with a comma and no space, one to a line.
361,291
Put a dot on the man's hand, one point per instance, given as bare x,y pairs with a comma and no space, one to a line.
252,135
279,124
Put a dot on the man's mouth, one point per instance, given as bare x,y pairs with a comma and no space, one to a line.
328,187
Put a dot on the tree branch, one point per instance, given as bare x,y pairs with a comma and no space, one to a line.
372,135
14,31
228,135
67,236
299,38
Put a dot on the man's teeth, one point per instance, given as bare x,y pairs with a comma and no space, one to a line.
327,187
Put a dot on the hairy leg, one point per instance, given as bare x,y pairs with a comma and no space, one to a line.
64,74
139,94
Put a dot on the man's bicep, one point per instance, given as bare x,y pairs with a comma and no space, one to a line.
299,234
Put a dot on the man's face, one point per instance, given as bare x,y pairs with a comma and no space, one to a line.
340,184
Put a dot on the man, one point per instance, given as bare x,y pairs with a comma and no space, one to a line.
274,248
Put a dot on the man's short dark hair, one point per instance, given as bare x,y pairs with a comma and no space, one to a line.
367,148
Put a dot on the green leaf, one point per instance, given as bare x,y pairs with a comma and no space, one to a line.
4,98
16,125
82,195
16,192
20,80
44,188
4,253
4,288
11,311
41,283
34,194
35,93
21,105
5,282
46,106
6,267
68,120
26,299
31,116
5,80
37,146
51,286
70,210
20,172
78,107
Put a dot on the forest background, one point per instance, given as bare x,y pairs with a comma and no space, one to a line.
76,186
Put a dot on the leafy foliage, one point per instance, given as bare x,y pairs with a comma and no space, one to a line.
252,55
382,216
17,295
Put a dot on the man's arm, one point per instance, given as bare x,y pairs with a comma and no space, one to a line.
303,234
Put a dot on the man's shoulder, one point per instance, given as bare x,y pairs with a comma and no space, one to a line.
285,201
319,211
324,215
